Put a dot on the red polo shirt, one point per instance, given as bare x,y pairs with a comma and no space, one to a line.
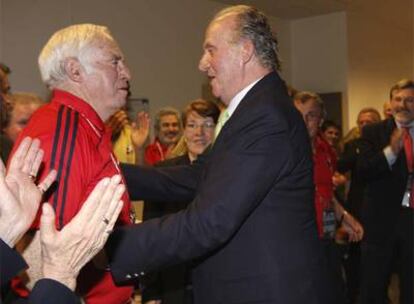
155,152
77,145
324,166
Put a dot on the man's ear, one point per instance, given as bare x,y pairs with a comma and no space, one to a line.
297,103
74,69
247,51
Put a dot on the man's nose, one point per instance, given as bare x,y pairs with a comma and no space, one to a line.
124,71
203,64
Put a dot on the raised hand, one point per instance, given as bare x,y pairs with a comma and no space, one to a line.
65,252
140,130
20,197
117,121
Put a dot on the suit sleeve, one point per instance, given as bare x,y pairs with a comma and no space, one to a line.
371,163
51,291
348,158
173,184
235,182
11,263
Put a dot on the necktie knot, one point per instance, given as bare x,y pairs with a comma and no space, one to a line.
224,116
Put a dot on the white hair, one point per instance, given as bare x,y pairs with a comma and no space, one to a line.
75,41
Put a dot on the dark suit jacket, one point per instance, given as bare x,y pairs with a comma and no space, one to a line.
348,163
5,147
45,290
385,186
172,284
252,219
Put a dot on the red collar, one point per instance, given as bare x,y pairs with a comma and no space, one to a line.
79,105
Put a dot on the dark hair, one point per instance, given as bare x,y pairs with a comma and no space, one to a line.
330,124
5,68
204,108
401,85
5,112
253,25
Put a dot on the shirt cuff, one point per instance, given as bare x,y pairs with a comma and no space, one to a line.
389,156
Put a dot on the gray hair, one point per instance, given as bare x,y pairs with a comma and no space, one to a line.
164,112
373,111
253,25
74,41
304,96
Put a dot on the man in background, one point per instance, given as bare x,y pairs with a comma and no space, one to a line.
22,106
167,128
386,164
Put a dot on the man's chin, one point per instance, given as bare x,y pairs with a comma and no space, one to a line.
403,119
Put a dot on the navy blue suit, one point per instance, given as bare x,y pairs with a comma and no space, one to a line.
252,220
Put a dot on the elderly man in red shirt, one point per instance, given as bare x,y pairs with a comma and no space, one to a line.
85,68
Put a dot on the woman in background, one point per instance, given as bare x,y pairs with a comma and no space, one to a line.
173,285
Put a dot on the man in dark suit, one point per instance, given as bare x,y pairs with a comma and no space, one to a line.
252,221
348,163
387,211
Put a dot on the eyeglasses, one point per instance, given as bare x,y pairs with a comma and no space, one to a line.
205,126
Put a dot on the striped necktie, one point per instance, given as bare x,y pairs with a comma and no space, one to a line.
224,116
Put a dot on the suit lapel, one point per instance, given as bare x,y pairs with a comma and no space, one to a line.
245,110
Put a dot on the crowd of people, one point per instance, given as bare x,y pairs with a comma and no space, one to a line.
258,199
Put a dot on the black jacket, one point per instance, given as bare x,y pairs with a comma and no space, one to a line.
252,219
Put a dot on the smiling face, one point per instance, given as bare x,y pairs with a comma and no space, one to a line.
106,79
198,133
169,129
402,104
222,59
331,135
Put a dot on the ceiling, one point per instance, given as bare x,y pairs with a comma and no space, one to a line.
294,9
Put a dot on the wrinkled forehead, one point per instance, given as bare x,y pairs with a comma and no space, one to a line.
168,118
104,48
223,27
311,105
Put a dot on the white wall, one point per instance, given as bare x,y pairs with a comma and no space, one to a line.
162,41
380,51
319,55
361,53
283,31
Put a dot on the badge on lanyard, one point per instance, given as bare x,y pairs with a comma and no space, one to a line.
328,223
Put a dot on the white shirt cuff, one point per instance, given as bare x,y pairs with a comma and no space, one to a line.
389,155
